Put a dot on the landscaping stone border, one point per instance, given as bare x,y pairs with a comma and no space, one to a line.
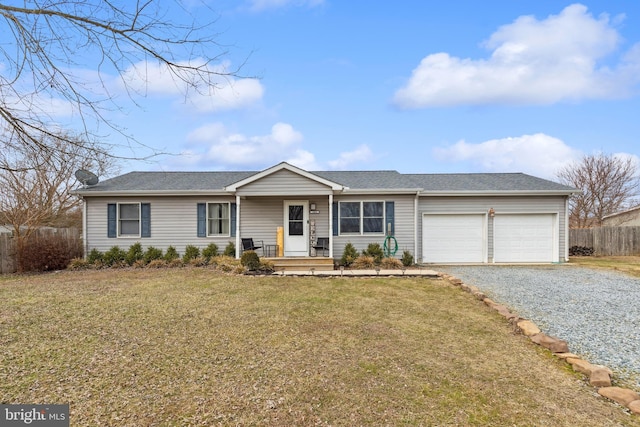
599,376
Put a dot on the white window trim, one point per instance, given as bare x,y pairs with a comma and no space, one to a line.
118,221
207,219
361,232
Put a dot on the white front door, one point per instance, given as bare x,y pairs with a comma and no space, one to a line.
296,229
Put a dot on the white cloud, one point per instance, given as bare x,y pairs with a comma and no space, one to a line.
260,5
214,144
225,93
532,62
360,154
539,154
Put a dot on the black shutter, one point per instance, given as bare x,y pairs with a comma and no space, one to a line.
145,215
390,214
232,214
202,220
334,212
112,224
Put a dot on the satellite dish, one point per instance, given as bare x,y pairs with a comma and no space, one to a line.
86,177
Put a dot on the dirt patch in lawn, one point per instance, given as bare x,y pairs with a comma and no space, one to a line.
192,347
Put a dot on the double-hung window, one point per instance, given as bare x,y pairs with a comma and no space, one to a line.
218,219
129,219
361,217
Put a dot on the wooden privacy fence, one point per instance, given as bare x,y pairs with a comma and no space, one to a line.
607,241
8,262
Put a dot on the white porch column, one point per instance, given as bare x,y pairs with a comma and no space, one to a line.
238,250
330,210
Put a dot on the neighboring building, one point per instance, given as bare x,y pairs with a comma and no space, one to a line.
630,217
439,218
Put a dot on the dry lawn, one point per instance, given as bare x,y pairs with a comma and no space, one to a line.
187,346
625,264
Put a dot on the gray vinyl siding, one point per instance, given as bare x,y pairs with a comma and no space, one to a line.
173,223
481,205
404,225
284,182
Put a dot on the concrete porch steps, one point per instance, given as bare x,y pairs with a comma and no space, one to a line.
302,263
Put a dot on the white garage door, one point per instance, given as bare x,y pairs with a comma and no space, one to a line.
453,238
524,238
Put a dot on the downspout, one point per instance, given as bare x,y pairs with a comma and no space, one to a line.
237,227
85,243
566,229
415,226
330,210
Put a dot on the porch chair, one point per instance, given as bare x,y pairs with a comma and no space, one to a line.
322,245
249,245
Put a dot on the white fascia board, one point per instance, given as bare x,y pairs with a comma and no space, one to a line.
141,193
333,185
498,193
369,191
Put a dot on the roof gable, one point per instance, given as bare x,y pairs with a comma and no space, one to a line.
279,167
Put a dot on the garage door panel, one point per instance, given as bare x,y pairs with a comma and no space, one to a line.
453,238
524,238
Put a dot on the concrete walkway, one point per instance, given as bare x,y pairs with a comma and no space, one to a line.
413,272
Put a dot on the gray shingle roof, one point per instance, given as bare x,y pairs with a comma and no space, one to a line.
137,182
484,182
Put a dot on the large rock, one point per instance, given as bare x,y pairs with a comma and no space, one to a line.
620,395
528,328
555,345
567,355
600,377
634,406
580,365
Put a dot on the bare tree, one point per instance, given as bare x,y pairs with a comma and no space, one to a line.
112,38
609,184
36,187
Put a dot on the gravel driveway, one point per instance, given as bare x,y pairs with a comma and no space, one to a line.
597,312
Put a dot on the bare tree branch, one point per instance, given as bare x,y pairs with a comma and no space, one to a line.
112,38
608,183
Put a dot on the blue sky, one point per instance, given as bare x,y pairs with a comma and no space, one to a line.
414,86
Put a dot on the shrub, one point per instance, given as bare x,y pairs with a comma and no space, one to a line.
114,257
375,251
157,263
190,252
171,254
95,257
364,262
198,261
151,254
225,263
78,264
250,260
210,251
267,266
348,255
175,263
135,253
407,259
390,263
230,250
140,263
47,251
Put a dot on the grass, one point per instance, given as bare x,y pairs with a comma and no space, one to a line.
625,264
187,346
